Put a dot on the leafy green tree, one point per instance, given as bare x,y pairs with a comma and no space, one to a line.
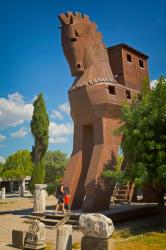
55,163
17,165
116,175
144,133
40,131
1,168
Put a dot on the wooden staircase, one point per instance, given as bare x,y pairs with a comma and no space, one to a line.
123,193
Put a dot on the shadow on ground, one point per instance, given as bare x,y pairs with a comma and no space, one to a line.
148,224
25,212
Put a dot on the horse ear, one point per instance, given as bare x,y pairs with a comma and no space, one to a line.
71,20
62,19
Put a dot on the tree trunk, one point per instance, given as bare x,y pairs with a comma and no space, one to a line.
11,186
22,188
160,198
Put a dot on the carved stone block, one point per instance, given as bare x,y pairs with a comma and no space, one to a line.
18,238
88,243
35,236
96,225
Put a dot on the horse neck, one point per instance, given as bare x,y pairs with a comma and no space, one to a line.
97,65
99,59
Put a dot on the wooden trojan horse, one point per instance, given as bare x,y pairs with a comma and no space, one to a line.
95,100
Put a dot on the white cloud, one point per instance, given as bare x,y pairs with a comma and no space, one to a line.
14,111
20,133
58,140
60,129
56,114
16,97
34,98
2,137
58,133
153,83
65,107
2,159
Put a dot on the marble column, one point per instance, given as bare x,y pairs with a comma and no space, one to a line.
64,238
39,198
3,193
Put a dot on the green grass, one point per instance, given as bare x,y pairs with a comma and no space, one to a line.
76,245
149,241
49,246
6,202
124,240
125,233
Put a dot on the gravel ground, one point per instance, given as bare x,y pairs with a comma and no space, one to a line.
13,215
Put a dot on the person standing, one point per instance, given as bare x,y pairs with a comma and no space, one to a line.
67,201
60,197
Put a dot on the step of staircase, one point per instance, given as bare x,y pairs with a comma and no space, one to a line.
53,222
61,216
35,217
121,195
54,216
120,200
122,190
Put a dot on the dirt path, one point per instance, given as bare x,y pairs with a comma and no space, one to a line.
13,215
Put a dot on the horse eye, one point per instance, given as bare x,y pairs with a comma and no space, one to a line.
76,33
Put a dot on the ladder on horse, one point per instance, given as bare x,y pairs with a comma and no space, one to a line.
123,193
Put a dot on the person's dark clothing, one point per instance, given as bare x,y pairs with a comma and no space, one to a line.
60,195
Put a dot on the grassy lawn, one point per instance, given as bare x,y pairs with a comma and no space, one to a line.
148,233
125,241
6,202
149,241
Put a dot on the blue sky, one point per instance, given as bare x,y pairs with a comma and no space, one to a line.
32,60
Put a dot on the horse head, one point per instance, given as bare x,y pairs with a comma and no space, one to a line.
83,46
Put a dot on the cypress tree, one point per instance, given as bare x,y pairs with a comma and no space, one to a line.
40,130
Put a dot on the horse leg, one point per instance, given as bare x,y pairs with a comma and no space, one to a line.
74,167
105,151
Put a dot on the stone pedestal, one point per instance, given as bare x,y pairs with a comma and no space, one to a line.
97,230
88,243
3,193
64,238
18,238
35,236
39,198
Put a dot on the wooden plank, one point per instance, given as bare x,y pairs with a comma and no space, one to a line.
62,222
